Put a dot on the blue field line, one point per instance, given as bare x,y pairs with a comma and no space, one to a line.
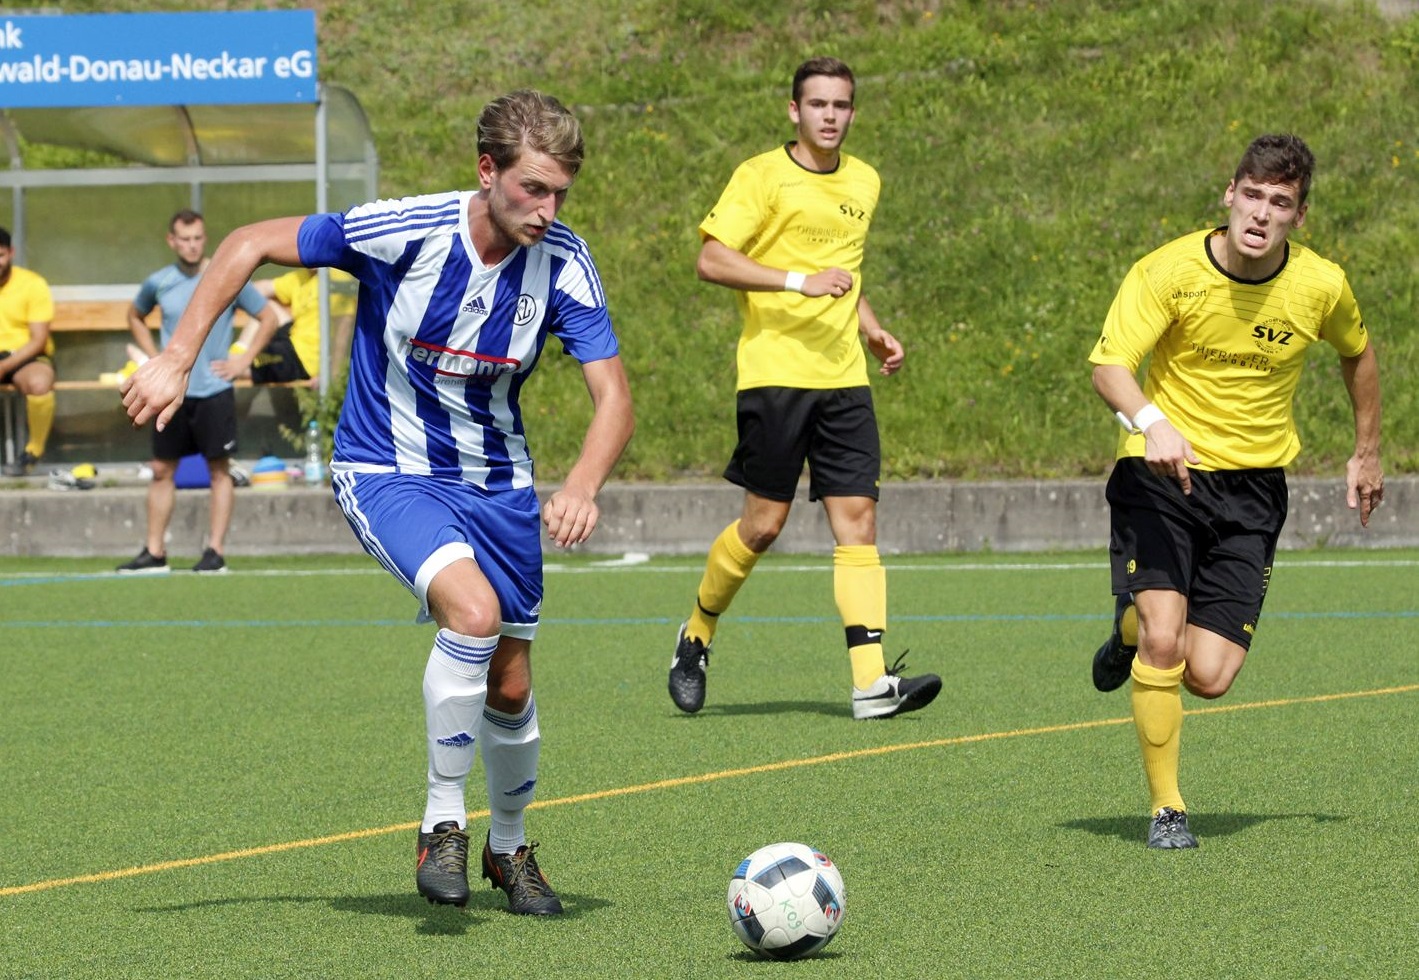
637,564
620,621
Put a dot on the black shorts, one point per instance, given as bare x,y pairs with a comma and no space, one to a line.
278,361
833,430
201,425
37,359
1215,545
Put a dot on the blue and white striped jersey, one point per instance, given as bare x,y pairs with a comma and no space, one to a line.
442,343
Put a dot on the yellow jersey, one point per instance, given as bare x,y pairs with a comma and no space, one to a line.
785,216
1227,353
24,299
299,292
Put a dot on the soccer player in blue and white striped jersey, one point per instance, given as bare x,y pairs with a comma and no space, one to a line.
432,467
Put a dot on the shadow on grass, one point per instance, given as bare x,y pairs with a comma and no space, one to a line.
1134,828
829,709
433,920
832,709
748,957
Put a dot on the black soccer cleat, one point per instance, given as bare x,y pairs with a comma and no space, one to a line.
517,874
443,865
687,672
1168,831
210,563
1114,660
893,694
146,563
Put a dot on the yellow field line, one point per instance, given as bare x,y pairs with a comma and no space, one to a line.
708,777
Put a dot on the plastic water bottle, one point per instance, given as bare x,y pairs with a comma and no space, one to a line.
314,458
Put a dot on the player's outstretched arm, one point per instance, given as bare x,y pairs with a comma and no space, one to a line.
1364,476
571,512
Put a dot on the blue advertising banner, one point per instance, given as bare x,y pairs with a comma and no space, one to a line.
50,60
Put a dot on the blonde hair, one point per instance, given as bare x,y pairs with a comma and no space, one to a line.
533,119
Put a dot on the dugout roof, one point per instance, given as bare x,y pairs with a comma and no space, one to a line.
326,145
201,136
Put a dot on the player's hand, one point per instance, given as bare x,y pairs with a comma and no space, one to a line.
1167,453
888,350
1364,486
830,282
570,517
154,391
232,368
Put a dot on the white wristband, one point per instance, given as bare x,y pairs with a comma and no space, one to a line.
793,282
1146,416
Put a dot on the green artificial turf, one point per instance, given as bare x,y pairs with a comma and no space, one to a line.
219,777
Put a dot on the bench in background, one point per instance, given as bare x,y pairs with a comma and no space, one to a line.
91,337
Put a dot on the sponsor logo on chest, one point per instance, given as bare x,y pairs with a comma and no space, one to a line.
452,366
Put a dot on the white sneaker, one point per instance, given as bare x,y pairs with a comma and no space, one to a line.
893,694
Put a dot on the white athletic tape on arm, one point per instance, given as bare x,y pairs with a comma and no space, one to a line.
1146,416
793,282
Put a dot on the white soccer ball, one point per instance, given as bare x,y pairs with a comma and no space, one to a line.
786,901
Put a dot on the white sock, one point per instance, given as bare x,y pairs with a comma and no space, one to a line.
511,744
455,691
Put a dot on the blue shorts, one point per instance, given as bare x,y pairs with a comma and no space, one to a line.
416,526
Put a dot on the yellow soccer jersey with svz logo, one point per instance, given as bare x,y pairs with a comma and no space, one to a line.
1227,354
784,216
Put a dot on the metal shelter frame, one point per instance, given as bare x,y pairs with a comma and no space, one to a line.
200,145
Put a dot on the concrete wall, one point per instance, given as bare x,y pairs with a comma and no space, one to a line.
683,519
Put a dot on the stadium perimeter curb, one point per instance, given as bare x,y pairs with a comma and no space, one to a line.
682,519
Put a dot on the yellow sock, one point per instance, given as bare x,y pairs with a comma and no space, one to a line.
729,563
860,589
39,412
1158,715
1128,626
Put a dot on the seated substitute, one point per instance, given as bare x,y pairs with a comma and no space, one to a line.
26,351
293,354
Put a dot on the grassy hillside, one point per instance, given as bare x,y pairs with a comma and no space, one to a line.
1029,153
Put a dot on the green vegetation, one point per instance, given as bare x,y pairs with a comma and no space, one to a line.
1030,152
232,768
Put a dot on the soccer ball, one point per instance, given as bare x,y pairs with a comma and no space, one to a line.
786,901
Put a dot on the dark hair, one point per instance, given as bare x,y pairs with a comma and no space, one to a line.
4,237
831,67
534,119
186,216
1279,158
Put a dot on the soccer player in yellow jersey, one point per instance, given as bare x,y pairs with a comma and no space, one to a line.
1197,496
787,235
26,311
